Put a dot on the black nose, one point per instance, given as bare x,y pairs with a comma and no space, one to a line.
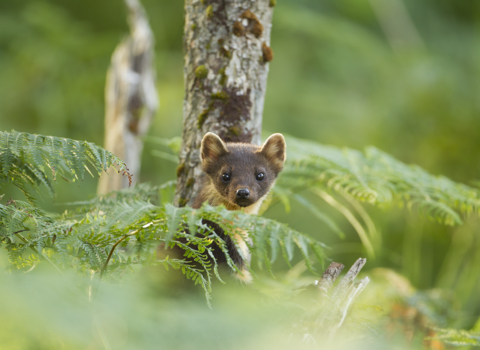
243,193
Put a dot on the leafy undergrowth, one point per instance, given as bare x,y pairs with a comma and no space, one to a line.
110,237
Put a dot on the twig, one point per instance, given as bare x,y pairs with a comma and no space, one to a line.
121,240
113,248
14,233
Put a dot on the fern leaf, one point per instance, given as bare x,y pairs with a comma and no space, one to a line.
6,154
174,215
25,159
124,214
457,337
375,177
100,163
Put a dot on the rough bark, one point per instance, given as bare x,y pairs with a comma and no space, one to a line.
329,277
130,97
227,50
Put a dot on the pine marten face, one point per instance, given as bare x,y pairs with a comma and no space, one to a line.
241,173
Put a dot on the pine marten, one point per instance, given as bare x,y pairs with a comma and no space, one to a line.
239,176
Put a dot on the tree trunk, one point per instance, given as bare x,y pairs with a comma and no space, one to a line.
130,97
227,50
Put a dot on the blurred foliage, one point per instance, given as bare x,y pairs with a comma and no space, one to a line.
338,78
50,312
375,177
457,337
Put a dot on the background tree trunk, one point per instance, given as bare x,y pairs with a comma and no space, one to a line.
227,50
130,97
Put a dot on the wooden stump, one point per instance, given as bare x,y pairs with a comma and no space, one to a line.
333,304
130,97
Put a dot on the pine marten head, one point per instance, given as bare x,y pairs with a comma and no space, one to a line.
241,174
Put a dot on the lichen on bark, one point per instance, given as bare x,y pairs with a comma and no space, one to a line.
229,100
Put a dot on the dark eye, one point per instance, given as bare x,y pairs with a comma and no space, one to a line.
260,176
226,177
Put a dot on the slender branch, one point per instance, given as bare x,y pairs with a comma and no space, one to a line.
121,240
112,250
14,233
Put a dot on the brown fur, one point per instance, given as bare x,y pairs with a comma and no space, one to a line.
242,162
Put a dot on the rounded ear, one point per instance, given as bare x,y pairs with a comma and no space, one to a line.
212,147
275,149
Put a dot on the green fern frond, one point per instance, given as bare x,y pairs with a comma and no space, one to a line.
264,232
376,178
456,337
33,160
21,216
111,236
125,214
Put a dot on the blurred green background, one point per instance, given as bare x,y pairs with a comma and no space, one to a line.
350,73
